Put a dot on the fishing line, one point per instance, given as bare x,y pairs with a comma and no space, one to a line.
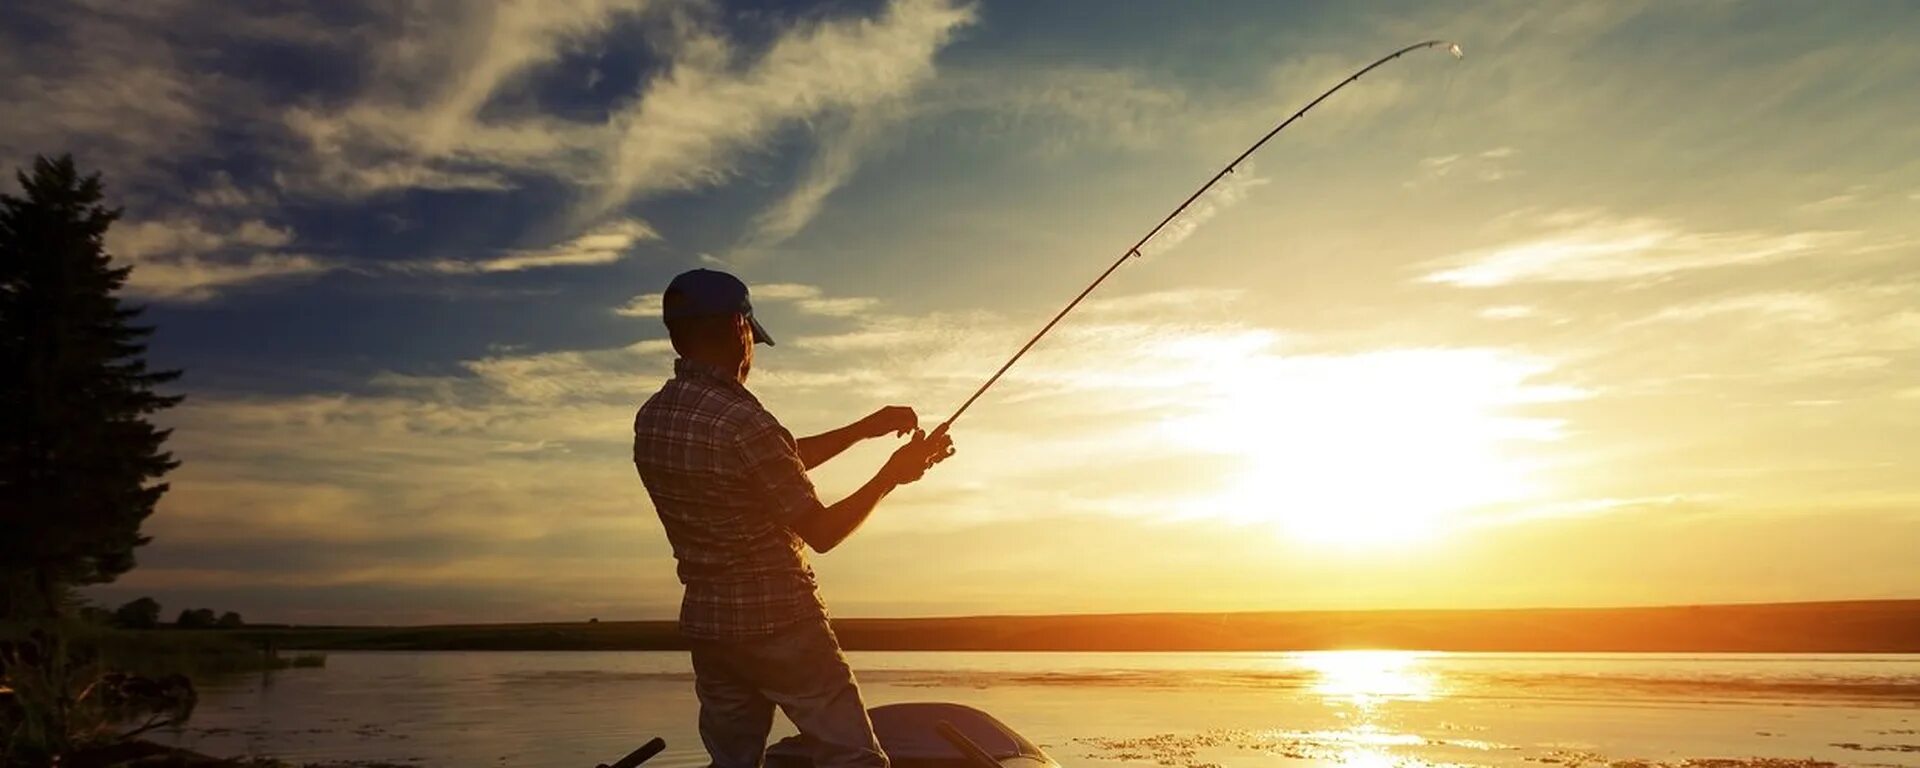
1446,90
1134,250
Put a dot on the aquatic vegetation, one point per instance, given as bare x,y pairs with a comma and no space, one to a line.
57,699
73,688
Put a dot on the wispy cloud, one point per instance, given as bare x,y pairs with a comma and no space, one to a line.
839,155
1592,247
125,106
419,123
1063,107
605,245
145,239
1509,312
1798,306
1485,166
190,259
190,278
811,300
1793,336
644,305
608,376
422,125
1850,198
692,125
1235,187
714,105
223,194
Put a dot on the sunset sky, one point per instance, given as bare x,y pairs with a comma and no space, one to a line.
1623,308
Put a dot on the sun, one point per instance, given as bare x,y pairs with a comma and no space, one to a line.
1372,449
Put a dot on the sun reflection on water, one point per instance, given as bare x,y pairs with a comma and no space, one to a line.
1365,678
1367,757
1371,702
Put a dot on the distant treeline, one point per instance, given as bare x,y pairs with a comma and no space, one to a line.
1877,626
144,613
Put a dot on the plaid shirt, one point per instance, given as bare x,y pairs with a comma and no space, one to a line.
728,483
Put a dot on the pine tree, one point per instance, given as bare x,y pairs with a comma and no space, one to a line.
78,455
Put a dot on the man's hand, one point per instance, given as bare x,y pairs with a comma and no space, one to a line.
831,525
911,461
893,419
896,419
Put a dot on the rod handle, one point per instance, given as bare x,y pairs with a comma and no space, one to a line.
638,756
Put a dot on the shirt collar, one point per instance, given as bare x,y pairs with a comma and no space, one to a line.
685,368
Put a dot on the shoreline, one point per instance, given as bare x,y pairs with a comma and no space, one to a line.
1866,626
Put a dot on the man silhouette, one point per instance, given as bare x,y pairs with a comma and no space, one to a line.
731,487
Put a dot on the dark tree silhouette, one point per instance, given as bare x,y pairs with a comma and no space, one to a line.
143,613
231,620
93,614
196,618
77,454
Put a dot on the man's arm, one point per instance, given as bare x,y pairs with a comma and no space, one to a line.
816,450
826,527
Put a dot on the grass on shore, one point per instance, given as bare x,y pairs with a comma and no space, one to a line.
155,653
194,653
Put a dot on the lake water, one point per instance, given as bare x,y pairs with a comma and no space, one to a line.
1365,709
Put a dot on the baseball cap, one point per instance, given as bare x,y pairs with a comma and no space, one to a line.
707,293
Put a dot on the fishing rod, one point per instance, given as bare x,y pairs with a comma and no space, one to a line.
1134,250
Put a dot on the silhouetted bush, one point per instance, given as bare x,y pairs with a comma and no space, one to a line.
143,613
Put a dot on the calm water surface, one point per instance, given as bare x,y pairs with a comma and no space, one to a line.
1366,709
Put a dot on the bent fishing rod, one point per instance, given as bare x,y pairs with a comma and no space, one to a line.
1134,250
